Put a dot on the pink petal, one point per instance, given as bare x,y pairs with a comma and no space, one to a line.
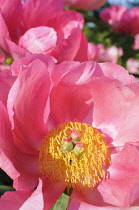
136,42
6,44
116,110
13,161
14,50
121,188
118,191
39,40
89,197
77,204
6,81
4,34
92,51
44,196
72,94
60,70
65,22
82,54
70,48
34,12
117,72
132,66
14,200
81,74
26,104
12,14
23,63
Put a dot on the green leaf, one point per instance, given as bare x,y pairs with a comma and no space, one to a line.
4,188
61,203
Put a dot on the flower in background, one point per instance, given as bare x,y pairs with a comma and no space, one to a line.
136,42
132,66
113,14
27,28
121,19
85,4
57,121
101,54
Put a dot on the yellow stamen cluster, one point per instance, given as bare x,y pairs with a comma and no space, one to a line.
87,170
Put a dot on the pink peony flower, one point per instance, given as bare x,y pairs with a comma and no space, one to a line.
101,54
45,110
132,66
113,14
85,5
55,32
121,19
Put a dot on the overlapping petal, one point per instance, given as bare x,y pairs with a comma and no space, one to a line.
12,13
41,12
12,160
39,40
114,121
30,86
6,81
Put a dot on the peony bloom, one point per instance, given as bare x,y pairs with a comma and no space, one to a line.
121,19
101,54
55,32
132,66
113,14
69,125
85,5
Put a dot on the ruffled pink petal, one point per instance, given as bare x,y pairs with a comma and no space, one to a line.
86,196
38,13
39,40
13,161
67,49
14,50
60,70
65,22
80,74
72,94
82,53
6,81
26,104
121,187
14,200
44,196
12,14
74,47
117,72
77,204
113,14
116,111
6,44
4,34
24,62
92,51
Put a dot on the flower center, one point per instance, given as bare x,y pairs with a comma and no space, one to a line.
75,153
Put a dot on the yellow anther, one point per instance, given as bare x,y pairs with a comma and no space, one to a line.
84,167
